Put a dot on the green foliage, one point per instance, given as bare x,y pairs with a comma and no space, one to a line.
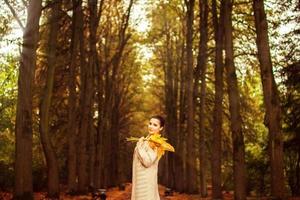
8,98
8,93
257,170
6,175
291,118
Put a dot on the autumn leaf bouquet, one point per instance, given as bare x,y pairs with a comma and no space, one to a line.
156,140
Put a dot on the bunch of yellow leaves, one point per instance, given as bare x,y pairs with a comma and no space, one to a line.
156,140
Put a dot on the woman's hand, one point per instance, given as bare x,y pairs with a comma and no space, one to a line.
141,141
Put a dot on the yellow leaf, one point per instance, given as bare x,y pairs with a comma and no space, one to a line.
161,142
158,141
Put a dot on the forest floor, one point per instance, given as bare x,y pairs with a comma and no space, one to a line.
116,194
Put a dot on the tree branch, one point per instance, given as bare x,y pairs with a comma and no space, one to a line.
24,3
14,14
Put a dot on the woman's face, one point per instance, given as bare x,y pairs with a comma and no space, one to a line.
154,126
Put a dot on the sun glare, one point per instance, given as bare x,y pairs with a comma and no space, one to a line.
139,16
9,42
141,24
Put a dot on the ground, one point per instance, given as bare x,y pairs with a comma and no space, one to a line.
116,194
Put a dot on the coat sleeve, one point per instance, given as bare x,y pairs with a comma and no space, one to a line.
146,154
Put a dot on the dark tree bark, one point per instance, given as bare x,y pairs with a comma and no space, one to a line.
23,130
218,107
72,99
180,140
271,101
201,73
239,169
191,160
94,17
86,92
50,155
170,102
99,160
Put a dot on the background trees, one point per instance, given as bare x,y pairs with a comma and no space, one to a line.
98,79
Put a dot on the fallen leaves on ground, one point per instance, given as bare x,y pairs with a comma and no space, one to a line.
117,194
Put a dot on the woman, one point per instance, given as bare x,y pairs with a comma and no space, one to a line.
145,162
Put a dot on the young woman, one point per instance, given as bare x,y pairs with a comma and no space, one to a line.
145,162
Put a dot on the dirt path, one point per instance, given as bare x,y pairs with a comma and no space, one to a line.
112,194
116,194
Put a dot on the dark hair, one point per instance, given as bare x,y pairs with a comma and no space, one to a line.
160,119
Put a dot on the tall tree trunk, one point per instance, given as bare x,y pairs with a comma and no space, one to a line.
191,161
91,148
170,104
106,153
180,150
239,169
23,129
72,128
86,92
271,101
50,155
94,18
165,57
115,139
218,107
99,162
99,136
175,109
201,66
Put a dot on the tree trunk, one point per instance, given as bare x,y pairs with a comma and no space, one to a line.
271,101
23,152
50,155
170,107
176,157
191,161
72,128
99,136
180,141
93,63
218,107
239,170
86,92
99,162
202,65
116,138
105,131
91,148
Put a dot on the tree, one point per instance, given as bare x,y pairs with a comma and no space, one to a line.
85,107
201,70
218,107
72,98
292,127
191,170
271,101
50,155
23,152
239,170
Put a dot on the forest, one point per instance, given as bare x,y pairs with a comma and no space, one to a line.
78,77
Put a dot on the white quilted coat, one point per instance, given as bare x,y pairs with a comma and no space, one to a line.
144,172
